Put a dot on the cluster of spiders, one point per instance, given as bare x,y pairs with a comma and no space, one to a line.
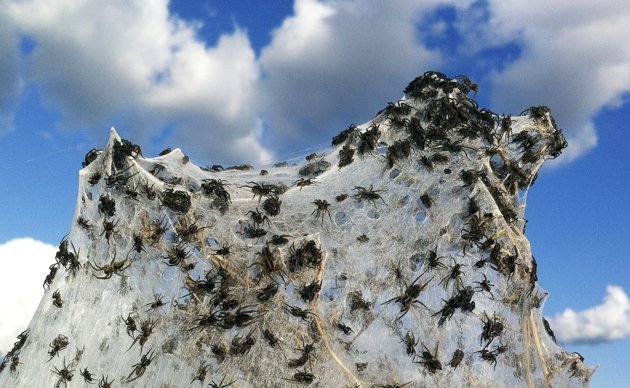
452,126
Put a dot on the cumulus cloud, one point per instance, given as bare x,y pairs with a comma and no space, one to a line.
105,62
133,62
9,75
574,58
605,322
23,266
336,61
330,63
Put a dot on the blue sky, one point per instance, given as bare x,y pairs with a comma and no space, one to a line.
249,82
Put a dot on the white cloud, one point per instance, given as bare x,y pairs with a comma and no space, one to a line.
329,63
575,59
605,322
23,266
105,62
335,61
9,75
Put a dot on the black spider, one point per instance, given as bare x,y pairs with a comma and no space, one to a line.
107,205
321,209
368,195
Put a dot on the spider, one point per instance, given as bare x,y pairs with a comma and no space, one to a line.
118,179
211,319
146,329
138,243
305,182
490,356
322,209
177,255
369,195
112,268
469,177
107,205
399,150
429,360
109,228
176,200
131,325
396,109
259,218
271,339
242,346
410,343
123,149
298,312
307,254
268,262
308,352
433,261
343,327
187,233
267,292
310,291
279,239
457,358
262,189
87,376
57,345
368,140
346,156
454,275
156,229
148,191
462,300
57,301
302,377
427,201
156,304
105,383
466,85
64,374
343,136
157,169
409,296
272,205
256,233
224,250
206,285
485,285
491,328
341,197
455,147
140,368
242,317
69,260
549,330
82,222
219,352
363,238
91,156
201,373
358,303
15,361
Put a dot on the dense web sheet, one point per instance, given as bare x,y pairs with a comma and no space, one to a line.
397,256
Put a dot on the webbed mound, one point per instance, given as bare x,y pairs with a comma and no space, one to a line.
396,256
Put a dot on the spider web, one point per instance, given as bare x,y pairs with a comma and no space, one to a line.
441,177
